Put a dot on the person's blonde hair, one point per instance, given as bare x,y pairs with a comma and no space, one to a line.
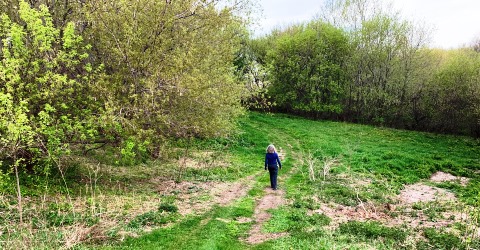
271,149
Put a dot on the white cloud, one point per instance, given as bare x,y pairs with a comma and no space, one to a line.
280,13
454,22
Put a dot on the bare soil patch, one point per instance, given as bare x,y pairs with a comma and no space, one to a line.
273,199
227,192
202,160
423,193
341,214
243,220
446,177
354,182
400,213
169,187
195,198
383,214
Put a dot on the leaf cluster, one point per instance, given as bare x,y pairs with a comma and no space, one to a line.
78,75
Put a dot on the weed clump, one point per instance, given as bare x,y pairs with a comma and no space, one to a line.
372,230
151,218
167,207
438,240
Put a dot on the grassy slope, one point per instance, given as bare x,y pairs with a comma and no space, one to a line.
390,158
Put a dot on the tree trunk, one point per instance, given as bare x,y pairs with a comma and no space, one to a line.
19,193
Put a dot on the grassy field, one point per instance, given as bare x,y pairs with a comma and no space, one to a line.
343,186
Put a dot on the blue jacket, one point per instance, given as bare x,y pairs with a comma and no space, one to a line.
271,159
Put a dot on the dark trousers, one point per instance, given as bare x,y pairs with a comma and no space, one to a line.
273,175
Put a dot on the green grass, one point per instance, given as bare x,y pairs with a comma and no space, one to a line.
363,231
386,158
217,229
371,165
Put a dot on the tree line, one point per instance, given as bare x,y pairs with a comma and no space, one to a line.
359,61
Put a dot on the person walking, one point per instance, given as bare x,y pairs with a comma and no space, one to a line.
272,162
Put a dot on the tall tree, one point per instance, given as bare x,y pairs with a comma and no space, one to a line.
383,65
455,87
252,70
170,64
307,69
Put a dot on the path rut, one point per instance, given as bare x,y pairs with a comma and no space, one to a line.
273,199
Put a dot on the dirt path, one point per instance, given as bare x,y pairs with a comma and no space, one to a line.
197,198
273,199
226,193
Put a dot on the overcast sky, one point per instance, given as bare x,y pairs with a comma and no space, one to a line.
454,22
